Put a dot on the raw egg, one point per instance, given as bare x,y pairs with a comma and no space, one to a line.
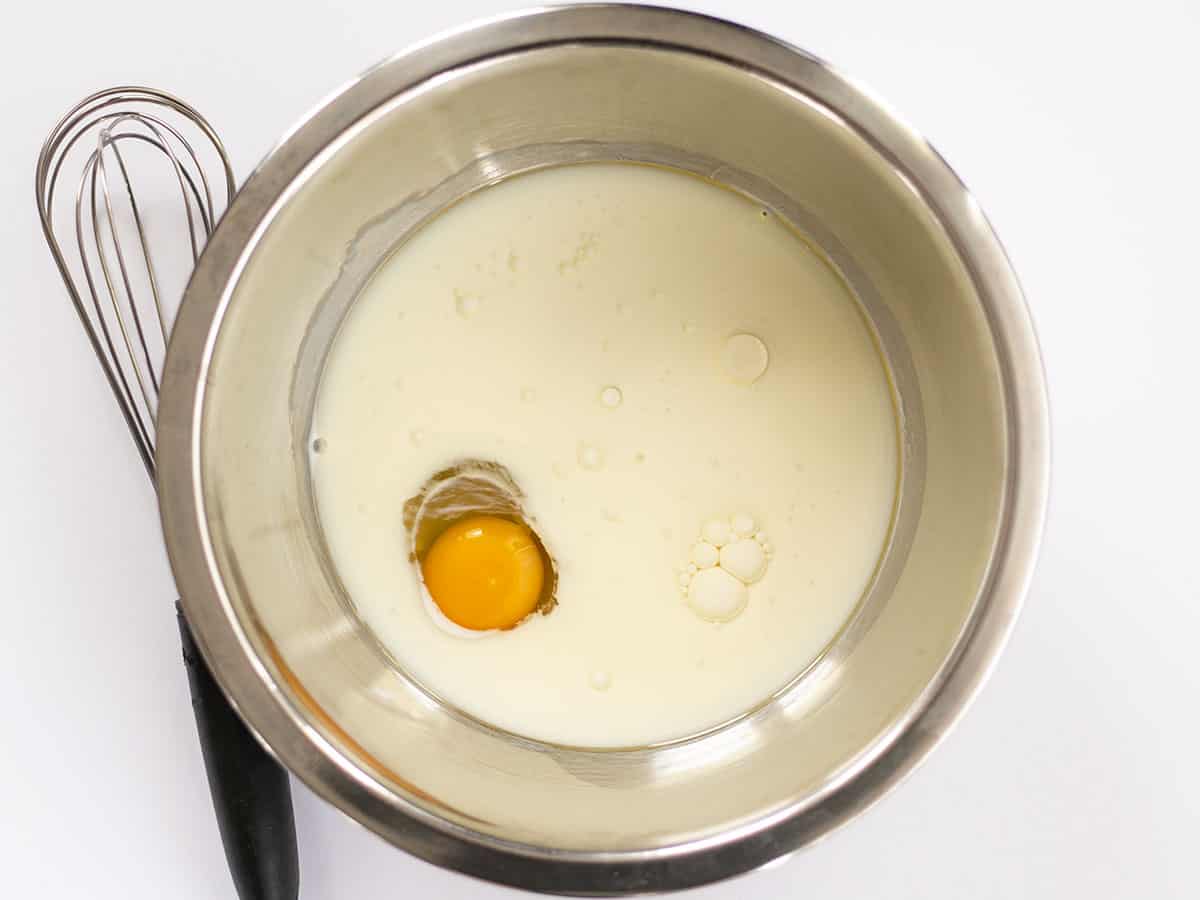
485,573
482,565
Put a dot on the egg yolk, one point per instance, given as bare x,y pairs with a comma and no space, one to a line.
484,572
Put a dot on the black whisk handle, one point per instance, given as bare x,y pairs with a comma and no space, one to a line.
250,790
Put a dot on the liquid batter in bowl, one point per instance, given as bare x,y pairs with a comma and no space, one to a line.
655,360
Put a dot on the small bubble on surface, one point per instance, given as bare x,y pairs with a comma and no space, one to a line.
611,397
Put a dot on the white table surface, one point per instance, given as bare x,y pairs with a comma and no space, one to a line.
1075,773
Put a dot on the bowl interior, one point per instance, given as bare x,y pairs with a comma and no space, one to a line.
427,147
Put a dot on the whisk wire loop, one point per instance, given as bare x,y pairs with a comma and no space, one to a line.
111,253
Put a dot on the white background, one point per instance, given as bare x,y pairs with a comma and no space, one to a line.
1074,775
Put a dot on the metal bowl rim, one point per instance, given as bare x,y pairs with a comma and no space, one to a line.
319,764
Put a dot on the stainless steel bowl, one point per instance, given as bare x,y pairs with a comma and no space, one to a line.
424,129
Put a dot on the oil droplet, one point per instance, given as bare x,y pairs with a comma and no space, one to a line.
590,457
716,532
704,554
716,595
601,681
745,559
417,436
744,358
611,397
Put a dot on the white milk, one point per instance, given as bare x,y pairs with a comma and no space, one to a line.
573,325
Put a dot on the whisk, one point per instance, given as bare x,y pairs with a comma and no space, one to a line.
117,289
